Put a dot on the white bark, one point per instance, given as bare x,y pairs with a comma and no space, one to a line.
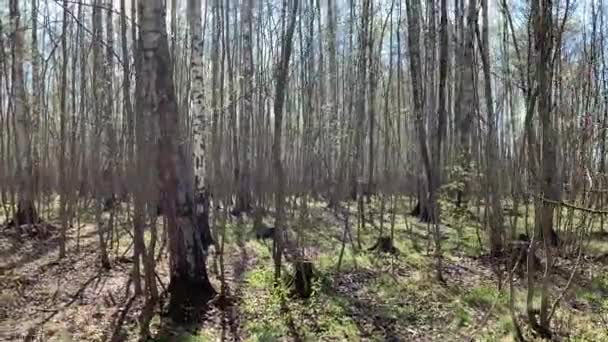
188,239
197,99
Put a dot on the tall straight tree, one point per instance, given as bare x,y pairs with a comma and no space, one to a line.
281,79
197,96
428,199
138,234
492,175
84,55
442,95
99,97
361,91
62,124
189,284
110,135
26,211
200,126
372,101
549,178
333,100
244,190
36,89
466,94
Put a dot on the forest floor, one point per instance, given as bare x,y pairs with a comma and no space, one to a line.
373,297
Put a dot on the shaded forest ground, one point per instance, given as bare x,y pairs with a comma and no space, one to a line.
374,297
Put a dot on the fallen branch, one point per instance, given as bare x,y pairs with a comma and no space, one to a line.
568,205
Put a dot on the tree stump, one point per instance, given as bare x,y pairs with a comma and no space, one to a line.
303,277
384,244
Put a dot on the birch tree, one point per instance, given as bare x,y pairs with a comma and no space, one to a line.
189,285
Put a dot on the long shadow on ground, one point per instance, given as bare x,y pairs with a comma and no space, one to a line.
230,313
171,331
404,319
39,249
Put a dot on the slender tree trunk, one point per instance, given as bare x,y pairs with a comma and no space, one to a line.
442,103
84,54
111,191
413,8
466,92
360,104
492,149
373,79
3,118
131,163
36,94
232,98
80,170
549,181
99,96
201,122
334,140
246,112
63,186
281,79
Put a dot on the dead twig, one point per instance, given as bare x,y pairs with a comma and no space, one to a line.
569,205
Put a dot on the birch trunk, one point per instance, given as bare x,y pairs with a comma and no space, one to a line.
189,285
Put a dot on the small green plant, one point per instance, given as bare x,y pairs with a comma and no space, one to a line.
506,324
260,277
484,297
462,318
264,333
264,306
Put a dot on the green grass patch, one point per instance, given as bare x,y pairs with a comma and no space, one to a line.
484,297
